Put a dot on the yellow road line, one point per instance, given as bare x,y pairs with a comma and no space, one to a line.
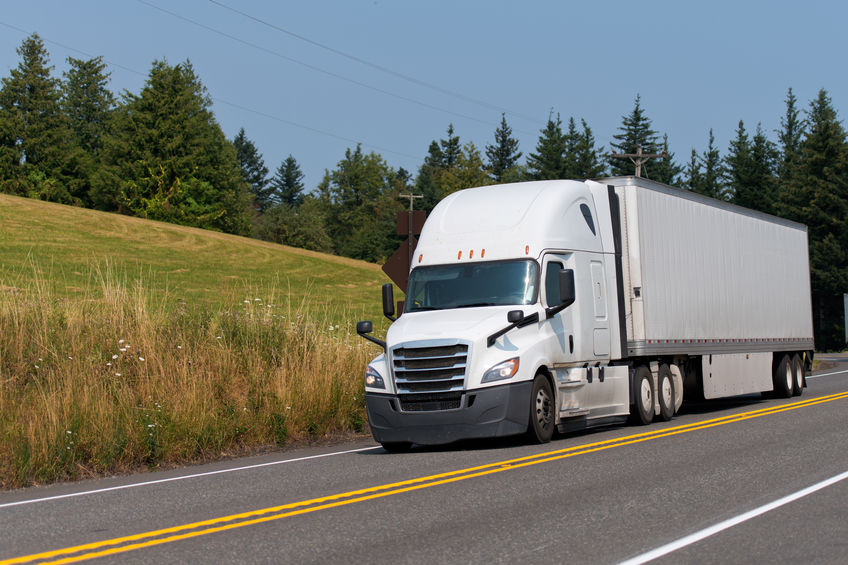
223,523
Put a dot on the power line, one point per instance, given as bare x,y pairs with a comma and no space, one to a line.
377,66
225,102
313,67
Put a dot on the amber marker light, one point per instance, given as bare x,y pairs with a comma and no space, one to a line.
459,255
482,254
420,257
471,254
527,250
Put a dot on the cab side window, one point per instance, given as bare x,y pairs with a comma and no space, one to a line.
552,283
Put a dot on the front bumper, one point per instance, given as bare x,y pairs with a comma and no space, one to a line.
489,412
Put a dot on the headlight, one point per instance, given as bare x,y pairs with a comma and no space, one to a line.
501,371
373,378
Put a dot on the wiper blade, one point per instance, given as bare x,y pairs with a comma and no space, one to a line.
474,305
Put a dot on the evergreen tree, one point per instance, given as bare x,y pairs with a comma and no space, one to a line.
87,102
789,136
88,105
570,169
504,154
35,129
665,169
168,159
737,166
711,180
360,198
817,195
450,149
468,171
694,177
548,162
253,171
635,131
425,182
587,160
287,185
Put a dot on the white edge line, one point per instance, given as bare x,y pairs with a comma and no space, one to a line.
721,526
825,375
182,477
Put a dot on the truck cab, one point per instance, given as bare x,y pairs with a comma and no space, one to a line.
511,322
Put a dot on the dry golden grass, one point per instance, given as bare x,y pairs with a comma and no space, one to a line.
119,377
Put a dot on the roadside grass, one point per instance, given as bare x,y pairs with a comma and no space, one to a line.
126,343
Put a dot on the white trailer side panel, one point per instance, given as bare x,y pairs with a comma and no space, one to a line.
706,276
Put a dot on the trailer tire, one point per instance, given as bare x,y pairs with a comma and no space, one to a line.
798,375
397,446
784,379
542,420
642,412
666,393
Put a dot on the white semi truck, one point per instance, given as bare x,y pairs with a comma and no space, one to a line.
570,304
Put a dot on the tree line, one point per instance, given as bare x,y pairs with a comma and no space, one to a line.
161,154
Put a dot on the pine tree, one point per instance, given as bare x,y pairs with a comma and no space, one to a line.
711,180
694,177
168,159
817,195
587,160
737,166
287,184
665,169
450,149
635,131
87,102
360,199
789,136
33,152
570,169
548,162
504,154
253,171
468,172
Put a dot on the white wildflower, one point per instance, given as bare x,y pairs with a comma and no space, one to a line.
117,374
36,367
141,358
120,341
123,350
69,432
71,358
108,364
179,347
115,356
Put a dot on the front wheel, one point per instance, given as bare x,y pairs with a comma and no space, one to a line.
397,446
541,428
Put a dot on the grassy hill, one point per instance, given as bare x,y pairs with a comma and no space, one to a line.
126,342
67,247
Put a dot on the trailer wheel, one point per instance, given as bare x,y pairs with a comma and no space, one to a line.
397,446
798,375
541,428
784,379
666,393
643,408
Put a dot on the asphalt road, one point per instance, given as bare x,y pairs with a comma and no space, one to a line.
723,482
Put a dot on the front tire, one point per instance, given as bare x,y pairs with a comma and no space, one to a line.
541,427
397,446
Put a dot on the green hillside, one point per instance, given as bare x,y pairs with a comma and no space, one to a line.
67,246
127,343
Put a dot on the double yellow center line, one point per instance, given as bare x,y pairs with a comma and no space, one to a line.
233,521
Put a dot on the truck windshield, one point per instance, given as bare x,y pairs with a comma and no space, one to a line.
498,283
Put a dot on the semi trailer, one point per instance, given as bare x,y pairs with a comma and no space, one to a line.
568,304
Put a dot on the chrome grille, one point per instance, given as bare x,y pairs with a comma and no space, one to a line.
431,368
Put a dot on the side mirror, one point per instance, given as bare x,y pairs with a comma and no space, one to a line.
567,294
389,302
514,316
364,328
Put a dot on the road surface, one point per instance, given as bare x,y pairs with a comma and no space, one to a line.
740,480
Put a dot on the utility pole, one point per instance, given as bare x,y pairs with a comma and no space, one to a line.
410,223
638,158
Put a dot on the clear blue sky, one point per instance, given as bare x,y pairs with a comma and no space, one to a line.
696,65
